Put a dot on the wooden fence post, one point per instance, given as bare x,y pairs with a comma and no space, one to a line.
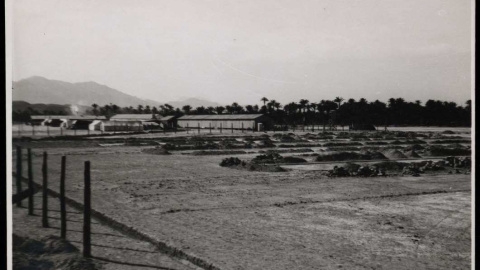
221,127
232,127
187,128
33,130
198,128
210,127
30,183
63,209
19,173
242,127
44,193
86,212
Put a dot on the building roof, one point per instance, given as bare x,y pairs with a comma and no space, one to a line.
168,117
221,117
70,117
120,123
148,116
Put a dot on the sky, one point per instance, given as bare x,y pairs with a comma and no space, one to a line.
240,51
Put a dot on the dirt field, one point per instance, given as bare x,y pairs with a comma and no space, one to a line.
298,219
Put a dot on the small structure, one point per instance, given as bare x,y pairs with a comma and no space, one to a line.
169,121
225,121
96,125
66,121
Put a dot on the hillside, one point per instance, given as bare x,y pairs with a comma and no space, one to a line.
41,90
20,106
194,102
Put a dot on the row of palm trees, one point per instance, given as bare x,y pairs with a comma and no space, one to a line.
396,111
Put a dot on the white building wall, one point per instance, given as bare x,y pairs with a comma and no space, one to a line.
216,124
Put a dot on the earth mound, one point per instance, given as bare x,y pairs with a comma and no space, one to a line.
443,151
394,154
217,152
236,163
360,171
274,158
415,147
411,154
341,156
390,165
159,150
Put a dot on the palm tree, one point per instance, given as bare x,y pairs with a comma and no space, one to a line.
210,110
219,109
249,109
115,108
303,104
264,99
186,109
201,110
338,100
277,105
236,108
95,108
229,109
271,104
169,110
147,109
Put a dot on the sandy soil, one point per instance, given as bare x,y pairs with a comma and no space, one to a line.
297,219
110,248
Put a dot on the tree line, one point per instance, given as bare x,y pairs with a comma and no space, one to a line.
337,111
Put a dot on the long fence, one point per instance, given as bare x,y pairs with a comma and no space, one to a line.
85,206
33,188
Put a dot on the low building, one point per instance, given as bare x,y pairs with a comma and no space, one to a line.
149,121
169,121
136,117
225,121
117,126
66,121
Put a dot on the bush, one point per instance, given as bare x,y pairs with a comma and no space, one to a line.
231,161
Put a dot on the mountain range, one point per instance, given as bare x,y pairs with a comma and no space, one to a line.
38,89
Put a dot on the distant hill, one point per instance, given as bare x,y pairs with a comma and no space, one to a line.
41,90
194,102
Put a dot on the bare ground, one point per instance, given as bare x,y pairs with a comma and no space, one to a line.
298,219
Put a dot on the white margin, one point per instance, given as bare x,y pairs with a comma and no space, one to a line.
472,86
8,114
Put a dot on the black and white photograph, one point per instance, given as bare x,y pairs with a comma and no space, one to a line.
240,134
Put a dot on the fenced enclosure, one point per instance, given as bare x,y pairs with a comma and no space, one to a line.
38,131
46,192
